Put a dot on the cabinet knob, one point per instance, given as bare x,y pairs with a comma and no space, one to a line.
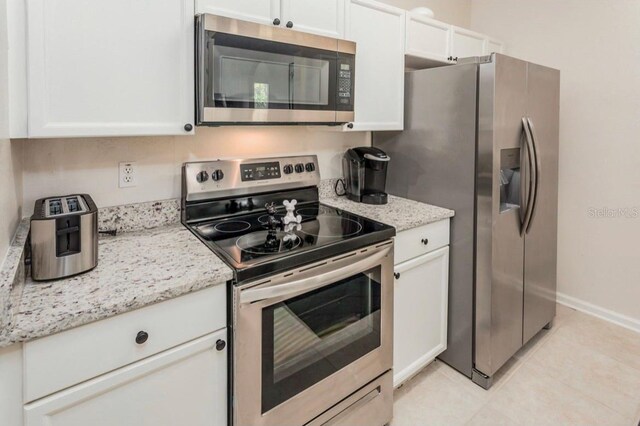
188,127
289,24
220,344
276,21
396,275
350,125
424,241
142,337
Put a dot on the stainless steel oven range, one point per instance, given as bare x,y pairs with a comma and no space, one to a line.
311,302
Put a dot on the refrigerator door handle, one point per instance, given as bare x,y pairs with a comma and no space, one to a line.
537,174
526,217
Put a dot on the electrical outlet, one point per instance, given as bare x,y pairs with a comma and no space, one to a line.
127,174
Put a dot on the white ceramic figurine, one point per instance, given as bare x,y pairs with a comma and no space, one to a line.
290,217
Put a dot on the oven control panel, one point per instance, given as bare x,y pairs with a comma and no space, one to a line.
223,178
260,171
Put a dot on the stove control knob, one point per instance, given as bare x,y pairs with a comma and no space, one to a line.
203,176
310,167
217,175
299,168
288,169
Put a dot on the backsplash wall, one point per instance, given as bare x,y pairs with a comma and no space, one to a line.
90,165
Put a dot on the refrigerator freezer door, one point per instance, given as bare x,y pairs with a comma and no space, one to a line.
502,98
543,109
433,161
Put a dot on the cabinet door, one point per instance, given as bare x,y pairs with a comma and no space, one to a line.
324,17
378,31
465,43
186,385
428,38
114,68
492,46
420,313
260,11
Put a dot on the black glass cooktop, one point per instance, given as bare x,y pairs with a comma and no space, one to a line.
253,249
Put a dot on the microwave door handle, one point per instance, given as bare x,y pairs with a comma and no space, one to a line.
536,187
294,288
530,182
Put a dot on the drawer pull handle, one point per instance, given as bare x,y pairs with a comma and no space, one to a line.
425,241
141,337
220,344
396,275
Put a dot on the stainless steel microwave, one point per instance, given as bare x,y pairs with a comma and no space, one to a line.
248,73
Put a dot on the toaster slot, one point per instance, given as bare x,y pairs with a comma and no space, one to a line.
67,235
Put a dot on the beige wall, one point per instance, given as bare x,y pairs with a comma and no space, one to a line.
457,12
595,45
58,166
10,172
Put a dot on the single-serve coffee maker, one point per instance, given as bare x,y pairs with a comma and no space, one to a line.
365,174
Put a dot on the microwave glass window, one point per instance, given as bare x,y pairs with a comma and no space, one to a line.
243,72
311,336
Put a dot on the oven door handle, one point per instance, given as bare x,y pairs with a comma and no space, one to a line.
311,283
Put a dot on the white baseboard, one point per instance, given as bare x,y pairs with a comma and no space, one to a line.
599,312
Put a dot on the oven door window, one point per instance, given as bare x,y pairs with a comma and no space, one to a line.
243,72
310,337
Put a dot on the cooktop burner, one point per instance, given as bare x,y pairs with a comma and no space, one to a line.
251,249
334,226
232,226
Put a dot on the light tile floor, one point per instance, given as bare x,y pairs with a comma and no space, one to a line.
584,371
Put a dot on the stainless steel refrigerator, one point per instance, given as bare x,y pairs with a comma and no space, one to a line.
481,138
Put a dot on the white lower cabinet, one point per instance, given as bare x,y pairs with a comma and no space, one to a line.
185,385
420,312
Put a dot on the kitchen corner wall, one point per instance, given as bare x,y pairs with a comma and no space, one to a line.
10,152
90,165
595,45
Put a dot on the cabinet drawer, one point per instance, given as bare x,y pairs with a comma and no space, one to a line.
421,240
64,359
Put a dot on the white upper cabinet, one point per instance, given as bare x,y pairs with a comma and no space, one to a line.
465,43
378,30
427,38
260,11
433,43
115,68
492,46
324,17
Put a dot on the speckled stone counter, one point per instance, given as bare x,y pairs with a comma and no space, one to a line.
400,213
134,270
12,270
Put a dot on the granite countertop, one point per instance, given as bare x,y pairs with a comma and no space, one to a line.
135,269
153,258
400,213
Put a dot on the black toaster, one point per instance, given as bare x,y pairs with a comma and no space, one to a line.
63,236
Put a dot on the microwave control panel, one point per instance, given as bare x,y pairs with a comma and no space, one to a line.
344,84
